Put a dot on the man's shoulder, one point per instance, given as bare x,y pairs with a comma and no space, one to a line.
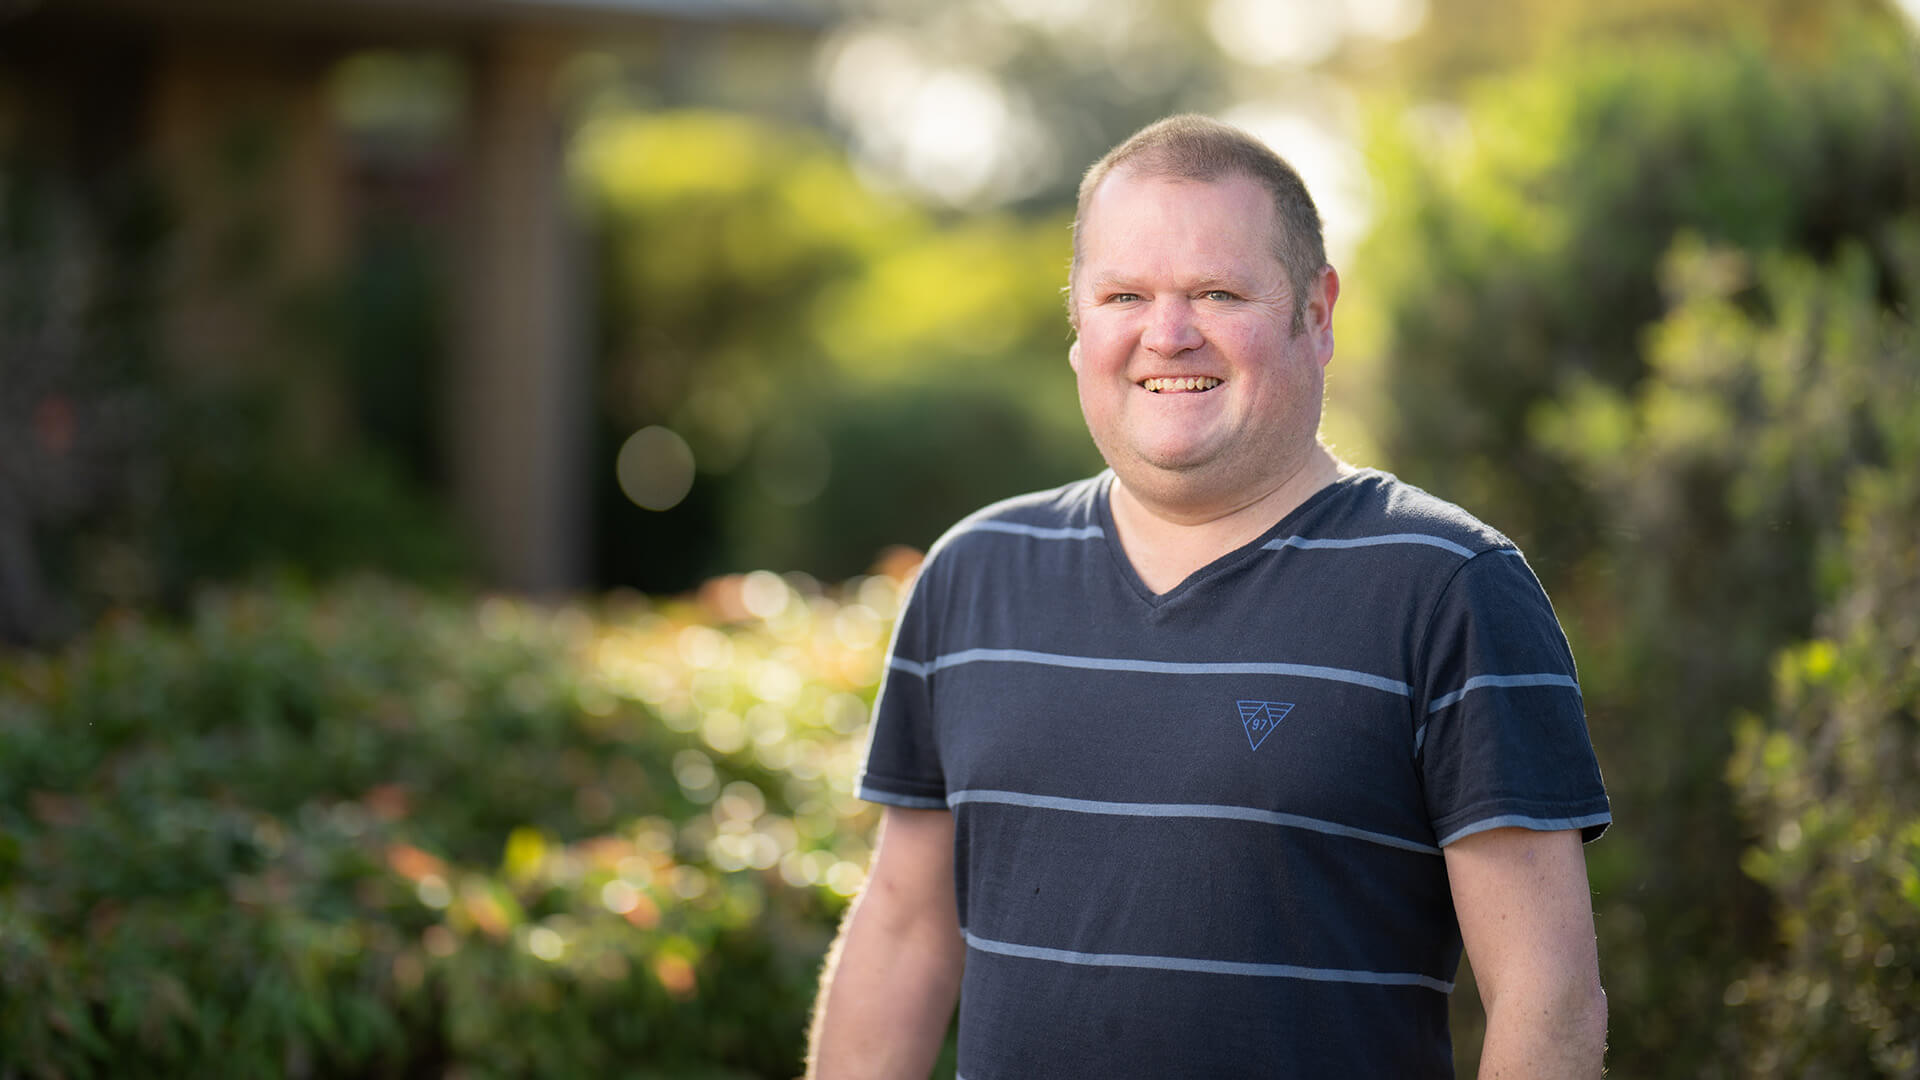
1377,504
1070,511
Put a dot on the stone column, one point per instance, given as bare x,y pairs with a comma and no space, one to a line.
517,384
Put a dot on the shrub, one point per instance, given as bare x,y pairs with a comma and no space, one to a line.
365,831
1628,320
1828,777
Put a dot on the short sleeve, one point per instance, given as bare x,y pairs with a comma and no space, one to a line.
1502,735
903,756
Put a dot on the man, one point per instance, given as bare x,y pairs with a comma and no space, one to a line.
1206,766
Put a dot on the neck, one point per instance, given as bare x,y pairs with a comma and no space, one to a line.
1167,540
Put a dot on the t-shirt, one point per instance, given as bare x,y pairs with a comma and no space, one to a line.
1199,833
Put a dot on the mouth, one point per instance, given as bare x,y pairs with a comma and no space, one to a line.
1186,384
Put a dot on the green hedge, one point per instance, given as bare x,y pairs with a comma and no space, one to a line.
368,831
1633,315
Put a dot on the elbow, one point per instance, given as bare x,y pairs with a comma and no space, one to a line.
1585,1023
1597,1019
1563,1021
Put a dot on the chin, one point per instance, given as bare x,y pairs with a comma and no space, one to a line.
1177,462
1170,476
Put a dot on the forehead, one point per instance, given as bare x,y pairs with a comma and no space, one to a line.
1135,222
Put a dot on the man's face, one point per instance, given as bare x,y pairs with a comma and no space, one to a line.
1191,382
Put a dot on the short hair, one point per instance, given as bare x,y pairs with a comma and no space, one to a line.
1204,150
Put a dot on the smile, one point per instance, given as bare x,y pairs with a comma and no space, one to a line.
1189,384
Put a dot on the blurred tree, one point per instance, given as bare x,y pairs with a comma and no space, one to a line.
751,270
909,460
1518,268
1464,41
991,102
1520,255
1829,780
795,328
1765,445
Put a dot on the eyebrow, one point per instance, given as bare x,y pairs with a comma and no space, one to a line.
1213,280
1219,281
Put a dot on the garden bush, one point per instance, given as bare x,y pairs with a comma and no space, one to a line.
1631,311
369,831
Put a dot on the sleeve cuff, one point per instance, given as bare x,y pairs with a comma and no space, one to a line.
1590,825
884,797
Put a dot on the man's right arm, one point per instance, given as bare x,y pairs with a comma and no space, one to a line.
893,976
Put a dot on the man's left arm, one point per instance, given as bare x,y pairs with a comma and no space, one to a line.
1526,917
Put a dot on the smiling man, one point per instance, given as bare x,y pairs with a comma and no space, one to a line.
1210,765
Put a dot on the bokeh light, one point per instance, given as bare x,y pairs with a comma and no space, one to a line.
1263,32
952,131
765,594
655,468
1322,146
546,943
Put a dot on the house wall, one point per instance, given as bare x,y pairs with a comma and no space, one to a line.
226,107
240,129
236,126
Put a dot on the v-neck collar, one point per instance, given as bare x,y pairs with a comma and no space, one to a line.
1103,508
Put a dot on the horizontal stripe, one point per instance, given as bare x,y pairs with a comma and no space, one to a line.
909,802
1186,810
1480,682
1038,532
1303,542
1524,821
1148,667
1207,967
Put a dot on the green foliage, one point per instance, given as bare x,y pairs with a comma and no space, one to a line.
1636,318
1765,447
1829,778
242,499
1472,39
1521,258
367,832
765,303
905,459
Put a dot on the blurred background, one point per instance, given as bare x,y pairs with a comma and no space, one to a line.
459,463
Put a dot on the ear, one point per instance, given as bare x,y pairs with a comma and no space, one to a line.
1073,356
1319,313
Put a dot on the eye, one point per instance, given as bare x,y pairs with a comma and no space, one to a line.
1122,297
1218,295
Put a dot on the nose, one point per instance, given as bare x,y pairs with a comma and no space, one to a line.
1171,328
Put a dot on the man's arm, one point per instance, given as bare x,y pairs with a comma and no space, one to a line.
893,976
1527,921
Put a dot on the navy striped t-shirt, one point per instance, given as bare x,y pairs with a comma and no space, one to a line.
1199,833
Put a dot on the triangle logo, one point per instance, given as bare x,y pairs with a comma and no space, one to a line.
1261,717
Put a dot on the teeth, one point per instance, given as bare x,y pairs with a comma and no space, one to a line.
1190,382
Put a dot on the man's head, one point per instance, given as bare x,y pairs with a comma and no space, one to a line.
1199,149
1199,352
